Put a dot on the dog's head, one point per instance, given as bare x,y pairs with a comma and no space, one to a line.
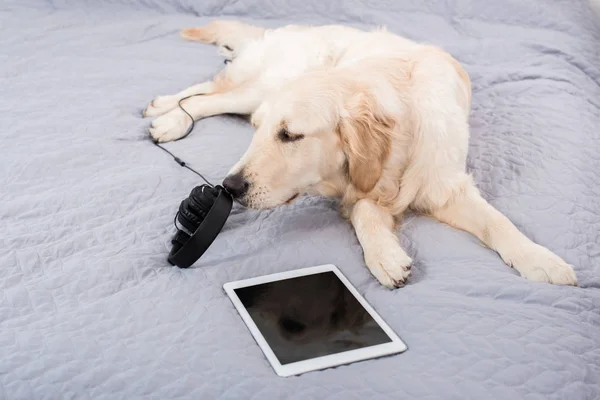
315,129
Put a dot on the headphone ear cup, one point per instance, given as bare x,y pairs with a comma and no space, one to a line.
187,218
178,241
193,210
202,199
196,208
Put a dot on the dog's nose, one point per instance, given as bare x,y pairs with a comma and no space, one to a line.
236,185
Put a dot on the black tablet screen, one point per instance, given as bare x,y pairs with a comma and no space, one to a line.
310,316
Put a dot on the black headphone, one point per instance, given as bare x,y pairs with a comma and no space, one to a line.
201,216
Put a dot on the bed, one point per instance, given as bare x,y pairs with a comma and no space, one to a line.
89,307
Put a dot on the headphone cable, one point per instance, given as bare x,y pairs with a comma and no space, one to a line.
177,159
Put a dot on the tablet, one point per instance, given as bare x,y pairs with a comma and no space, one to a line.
310,319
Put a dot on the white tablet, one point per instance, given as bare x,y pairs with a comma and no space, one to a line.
311,319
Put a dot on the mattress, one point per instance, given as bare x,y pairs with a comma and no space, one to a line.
90,308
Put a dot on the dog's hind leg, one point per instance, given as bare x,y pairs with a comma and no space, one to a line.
231,36
468,211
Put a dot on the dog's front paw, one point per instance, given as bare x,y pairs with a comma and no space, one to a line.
227,52
171,126
539,264
390,265
161,105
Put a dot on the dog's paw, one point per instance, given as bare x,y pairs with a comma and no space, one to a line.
171,126
161,105
539,264
227,52
391,265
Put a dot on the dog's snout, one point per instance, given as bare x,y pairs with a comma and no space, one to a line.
236,184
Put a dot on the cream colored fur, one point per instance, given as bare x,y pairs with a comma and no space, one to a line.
371,118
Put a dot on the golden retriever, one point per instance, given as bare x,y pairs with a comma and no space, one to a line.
371,118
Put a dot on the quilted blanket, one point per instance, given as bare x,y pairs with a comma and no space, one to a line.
89,307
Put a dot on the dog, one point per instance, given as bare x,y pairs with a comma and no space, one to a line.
373,119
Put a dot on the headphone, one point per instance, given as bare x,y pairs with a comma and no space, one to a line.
201,216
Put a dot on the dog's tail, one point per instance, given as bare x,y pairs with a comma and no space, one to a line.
232,34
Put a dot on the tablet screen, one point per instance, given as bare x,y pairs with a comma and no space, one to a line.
310,316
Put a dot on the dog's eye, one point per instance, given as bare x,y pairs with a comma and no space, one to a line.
287,137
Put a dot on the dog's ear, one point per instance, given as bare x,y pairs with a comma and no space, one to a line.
366,136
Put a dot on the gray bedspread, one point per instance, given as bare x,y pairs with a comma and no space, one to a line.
89,308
